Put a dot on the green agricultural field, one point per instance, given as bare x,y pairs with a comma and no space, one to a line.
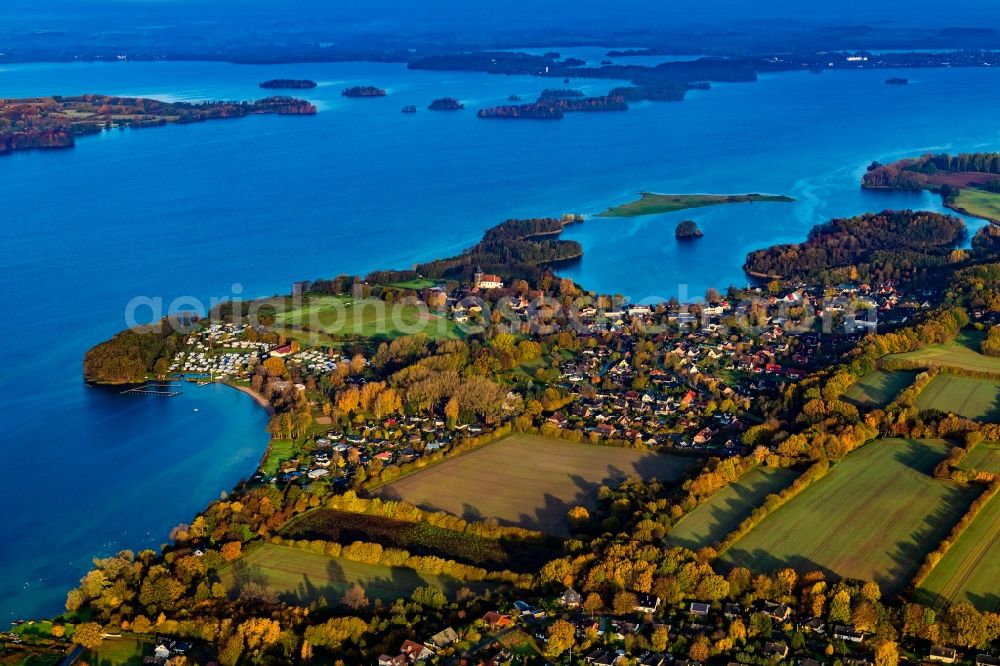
652,204
970,569
874,516
972,398
344,315
528,481
415,284
984,457
723,512
878,388
978,203
301,576
962,353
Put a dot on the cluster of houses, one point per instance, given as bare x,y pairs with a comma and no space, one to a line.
610,648
395,440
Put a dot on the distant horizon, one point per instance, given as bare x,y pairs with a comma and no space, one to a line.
449,14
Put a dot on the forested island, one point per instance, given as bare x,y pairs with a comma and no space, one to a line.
896,81
54,122
652,204
446,104
364,91
554,106
293,84
868,247
968,183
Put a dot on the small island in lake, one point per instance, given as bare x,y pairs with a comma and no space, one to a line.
446,104
409,108
363,91
293,84
897,81
651,204
688,230
54,122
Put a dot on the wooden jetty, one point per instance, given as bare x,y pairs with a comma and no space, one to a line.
167,390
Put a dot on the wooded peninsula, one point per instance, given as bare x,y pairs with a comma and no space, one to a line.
55,122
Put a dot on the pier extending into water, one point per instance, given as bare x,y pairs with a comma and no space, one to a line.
167,390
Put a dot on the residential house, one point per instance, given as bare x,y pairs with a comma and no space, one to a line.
570,598
699,609
944,655
601,657
849,634
415,652
496,621
777,650
444,638
646,603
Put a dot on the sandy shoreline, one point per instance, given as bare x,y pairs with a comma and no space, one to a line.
258,398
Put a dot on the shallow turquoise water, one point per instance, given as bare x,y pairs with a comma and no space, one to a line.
262,201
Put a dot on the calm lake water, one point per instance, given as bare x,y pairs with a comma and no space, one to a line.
262,201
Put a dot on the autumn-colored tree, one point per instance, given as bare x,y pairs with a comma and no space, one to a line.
660,638
89,635
357,364
275,366
624,602
578,516
451,410
737,631
58,630
840,607
141,624
593,604
886,653
561,637
699,649
231,550
355,598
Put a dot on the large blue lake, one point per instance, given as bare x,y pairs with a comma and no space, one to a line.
262,201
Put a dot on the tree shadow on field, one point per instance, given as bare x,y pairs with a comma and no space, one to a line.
725,516
909,553
761,561
914,455
984,602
